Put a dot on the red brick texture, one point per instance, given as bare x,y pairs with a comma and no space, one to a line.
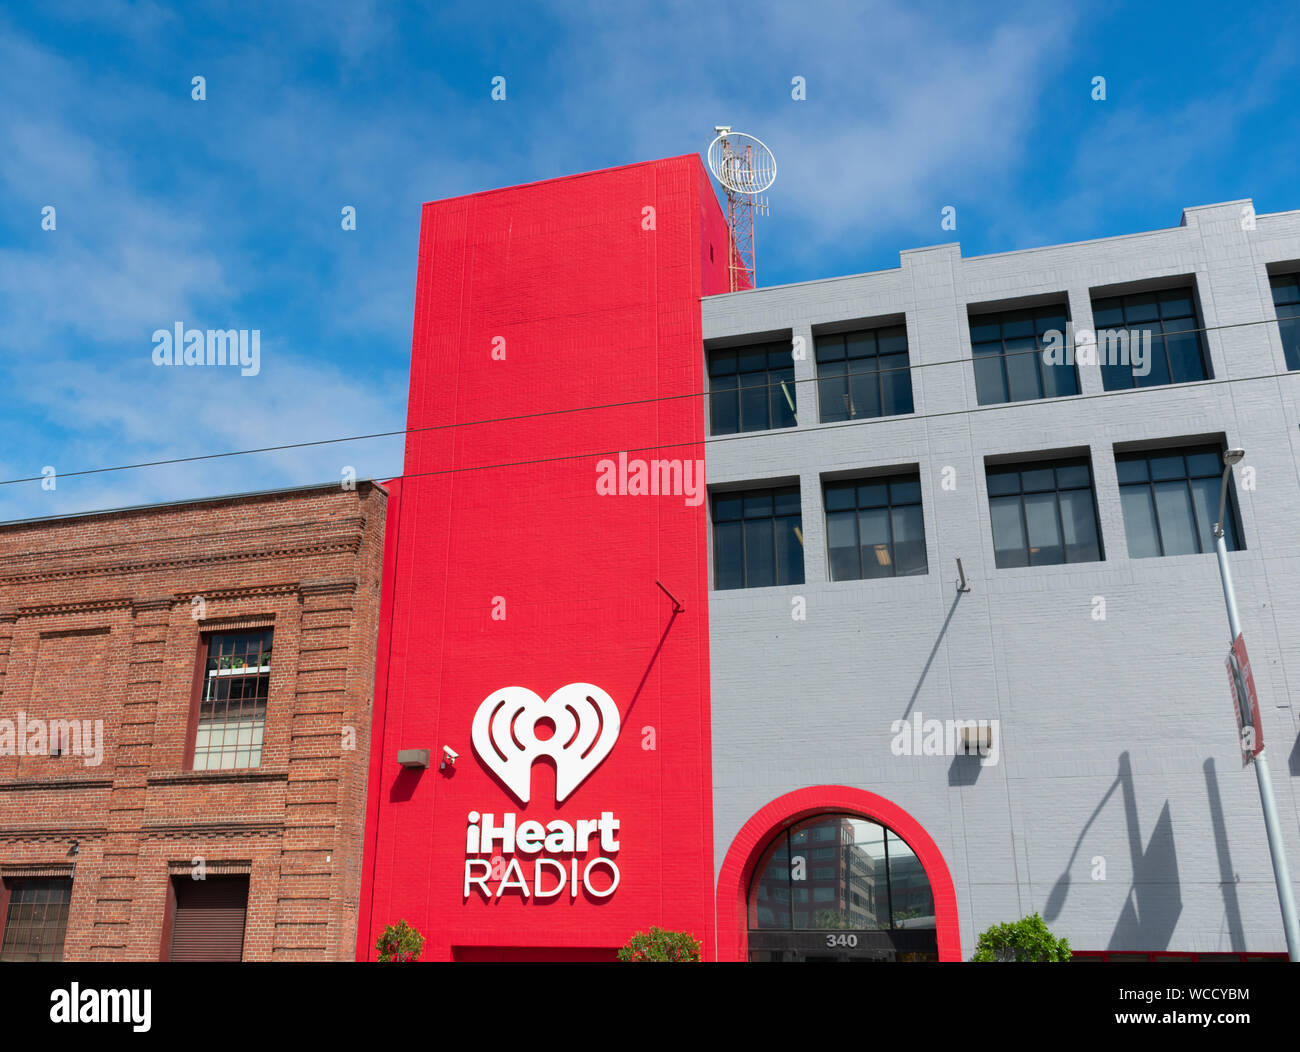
97,623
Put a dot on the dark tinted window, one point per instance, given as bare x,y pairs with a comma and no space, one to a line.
751,388
1286,300
1043,513
1010,365
1171,501
1150,338
757,538
864,374
875,528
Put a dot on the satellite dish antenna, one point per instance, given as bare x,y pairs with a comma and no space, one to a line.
745,167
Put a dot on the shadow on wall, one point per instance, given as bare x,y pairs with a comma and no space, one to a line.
1154,900
404,785
925,671
1227,877
964,769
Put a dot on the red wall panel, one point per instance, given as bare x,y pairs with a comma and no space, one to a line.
533,300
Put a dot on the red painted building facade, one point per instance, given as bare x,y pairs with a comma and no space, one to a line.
523,577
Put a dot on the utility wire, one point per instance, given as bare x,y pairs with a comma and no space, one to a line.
800,430
648,401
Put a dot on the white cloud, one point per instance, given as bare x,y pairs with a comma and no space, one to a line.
906,107
118,413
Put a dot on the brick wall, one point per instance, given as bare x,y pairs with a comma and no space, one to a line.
97,622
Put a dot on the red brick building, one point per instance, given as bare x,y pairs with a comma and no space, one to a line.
186,689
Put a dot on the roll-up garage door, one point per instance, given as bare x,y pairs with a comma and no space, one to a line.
209,920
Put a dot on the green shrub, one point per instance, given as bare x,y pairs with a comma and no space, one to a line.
1023,940
660,945
399,942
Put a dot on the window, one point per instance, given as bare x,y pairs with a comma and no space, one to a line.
751,388
1008,352
232,706
878,883
1148,339
874,528
863,374
758,538
1286,300
1043,513
1171,501
36,920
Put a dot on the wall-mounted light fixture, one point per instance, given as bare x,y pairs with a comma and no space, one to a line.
413,757
977,739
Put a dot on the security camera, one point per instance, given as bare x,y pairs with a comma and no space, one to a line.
449,757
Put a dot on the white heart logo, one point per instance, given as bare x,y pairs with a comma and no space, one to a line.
586,725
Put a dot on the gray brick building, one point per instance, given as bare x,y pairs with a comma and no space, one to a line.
1118,806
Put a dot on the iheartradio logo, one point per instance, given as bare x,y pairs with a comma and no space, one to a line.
584,725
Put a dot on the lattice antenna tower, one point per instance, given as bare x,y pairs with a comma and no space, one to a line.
746,168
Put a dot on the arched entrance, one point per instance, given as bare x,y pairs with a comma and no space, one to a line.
834,873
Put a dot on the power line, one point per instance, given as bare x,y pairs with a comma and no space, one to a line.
750,435
648,401
803,430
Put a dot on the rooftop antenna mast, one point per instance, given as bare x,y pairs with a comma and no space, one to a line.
746,168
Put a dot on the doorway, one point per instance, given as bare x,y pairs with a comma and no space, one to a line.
840,887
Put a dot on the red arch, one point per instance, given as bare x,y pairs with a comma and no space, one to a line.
743,855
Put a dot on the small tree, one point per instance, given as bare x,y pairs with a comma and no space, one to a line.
660,945
399,942
1024,940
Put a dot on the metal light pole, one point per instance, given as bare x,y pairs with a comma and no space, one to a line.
1276,848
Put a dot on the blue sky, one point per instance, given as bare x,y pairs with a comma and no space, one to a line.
225,213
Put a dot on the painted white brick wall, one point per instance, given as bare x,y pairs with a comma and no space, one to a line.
1118,740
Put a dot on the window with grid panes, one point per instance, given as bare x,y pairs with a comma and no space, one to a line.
1286,301
878,883
1007,348
874,528
751,388
863,374
1043,513
1177,345
1170,499
757,538
232,706
37,919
